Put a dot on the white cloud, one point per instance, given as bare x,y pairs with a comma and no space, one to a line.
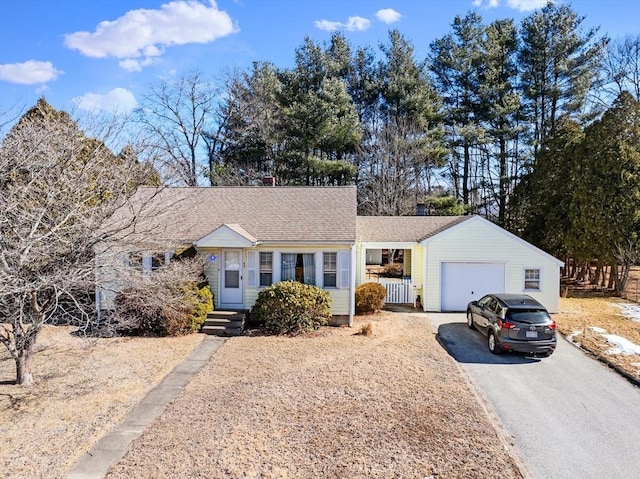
118,100
526,5
145,33
388,15
328,25
486,3
29,73
353,24
358,24
521,5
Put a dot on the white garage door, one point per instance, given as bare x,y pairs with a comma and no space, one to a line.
464,282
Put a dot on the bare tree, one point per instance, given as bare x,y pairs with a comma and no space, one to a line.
622,66
57,187
174,116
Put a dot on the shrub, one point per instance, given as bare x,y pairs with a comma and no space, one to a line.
370,298
289,307
140,314
365,330
167,302
393,270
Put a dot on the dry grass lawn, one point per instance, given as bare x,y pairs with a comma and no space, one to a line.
583,310
83,387
332,405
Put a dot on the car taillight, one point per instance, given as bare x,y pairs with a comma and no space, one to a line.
552,325
505,324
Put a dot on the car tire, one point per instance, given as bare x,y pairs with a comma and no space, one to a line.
494,347
470,320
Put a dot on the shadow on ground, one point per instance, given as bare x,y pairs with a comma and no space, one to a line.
470,346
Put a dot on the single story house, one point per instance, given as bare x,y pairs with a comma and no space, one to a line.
257,236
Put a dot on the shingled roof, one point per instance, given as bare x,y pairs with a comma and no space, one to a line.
402,229
269,214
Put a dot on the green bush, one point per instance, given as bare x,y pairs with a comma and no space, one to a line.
289,307
370,298
200,298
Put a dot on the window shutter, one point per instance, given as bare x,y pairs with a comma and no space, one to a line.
252,269
343,265
146,263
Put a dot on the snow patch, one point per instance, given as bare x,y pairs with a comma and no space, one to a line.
631,311
572,340
621,345
596,329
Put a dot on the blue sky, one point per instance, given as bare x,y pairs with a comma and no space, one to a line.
104,54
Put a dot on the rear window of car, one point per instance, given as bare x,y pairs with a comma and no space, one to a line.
529,316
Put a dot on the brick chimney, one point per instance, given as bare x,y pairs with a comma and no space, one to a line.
269,181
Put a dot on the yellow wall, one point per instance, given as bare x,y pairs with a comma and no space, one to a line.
341,297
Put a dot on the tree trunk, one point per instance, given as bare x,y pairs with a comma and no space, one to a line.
466,166
24,376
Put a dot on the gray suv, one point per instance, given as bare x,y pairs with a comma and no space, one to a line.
513,322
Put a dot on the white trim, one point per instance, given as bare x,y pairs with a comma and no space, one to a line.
227,236
524,279
352,293
253,265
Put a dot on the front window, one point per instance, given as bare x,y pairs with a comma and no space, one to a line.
266,268
329,269
298,267
532,279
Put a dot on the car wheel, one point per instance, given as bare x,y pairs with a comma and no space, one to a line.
470,320
492,343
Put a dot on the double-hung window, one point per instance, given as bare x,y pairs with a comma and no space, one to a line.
532,280
330,269
266,268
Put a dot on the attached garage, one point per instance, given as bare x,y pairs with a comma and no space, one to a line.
452,260
464,282
473,257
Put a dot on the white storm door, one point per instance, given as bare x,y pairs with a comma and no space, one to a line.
231,281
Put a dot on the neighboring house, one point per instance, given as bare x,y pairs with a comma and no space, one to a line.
257,236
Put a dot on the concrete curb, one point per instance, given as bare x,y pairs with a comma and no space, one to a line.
112,447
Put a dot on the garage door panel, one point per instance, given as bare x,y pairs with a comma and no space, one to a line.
465,282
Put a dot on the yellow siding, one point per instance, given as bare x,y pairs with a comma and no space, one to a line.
477,241
341,297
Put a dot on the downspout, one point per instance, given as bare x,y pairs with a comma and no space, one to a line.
352,285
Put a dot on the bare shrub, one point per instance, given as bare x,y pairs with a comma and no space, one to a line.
370,298
365,330
166,302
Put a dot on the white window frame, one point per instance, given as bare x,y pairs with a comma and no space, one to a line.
335,271
260,270
526,280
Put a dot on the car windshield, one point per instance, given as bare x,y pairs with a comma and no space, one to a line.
529,316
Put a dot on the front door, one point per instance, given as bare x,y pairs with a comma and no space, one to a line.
231,281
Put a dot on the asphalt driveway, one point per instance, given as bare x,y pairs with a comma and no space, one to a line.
568,416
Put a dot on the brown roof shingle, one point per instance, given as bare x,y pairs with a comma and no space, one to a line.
270,214
402,229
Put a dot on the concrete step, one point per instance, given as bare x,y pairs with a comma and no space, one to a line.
227,323
221,331
224,323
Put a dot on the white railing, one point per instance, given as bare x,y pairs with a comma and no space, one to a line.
399,291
